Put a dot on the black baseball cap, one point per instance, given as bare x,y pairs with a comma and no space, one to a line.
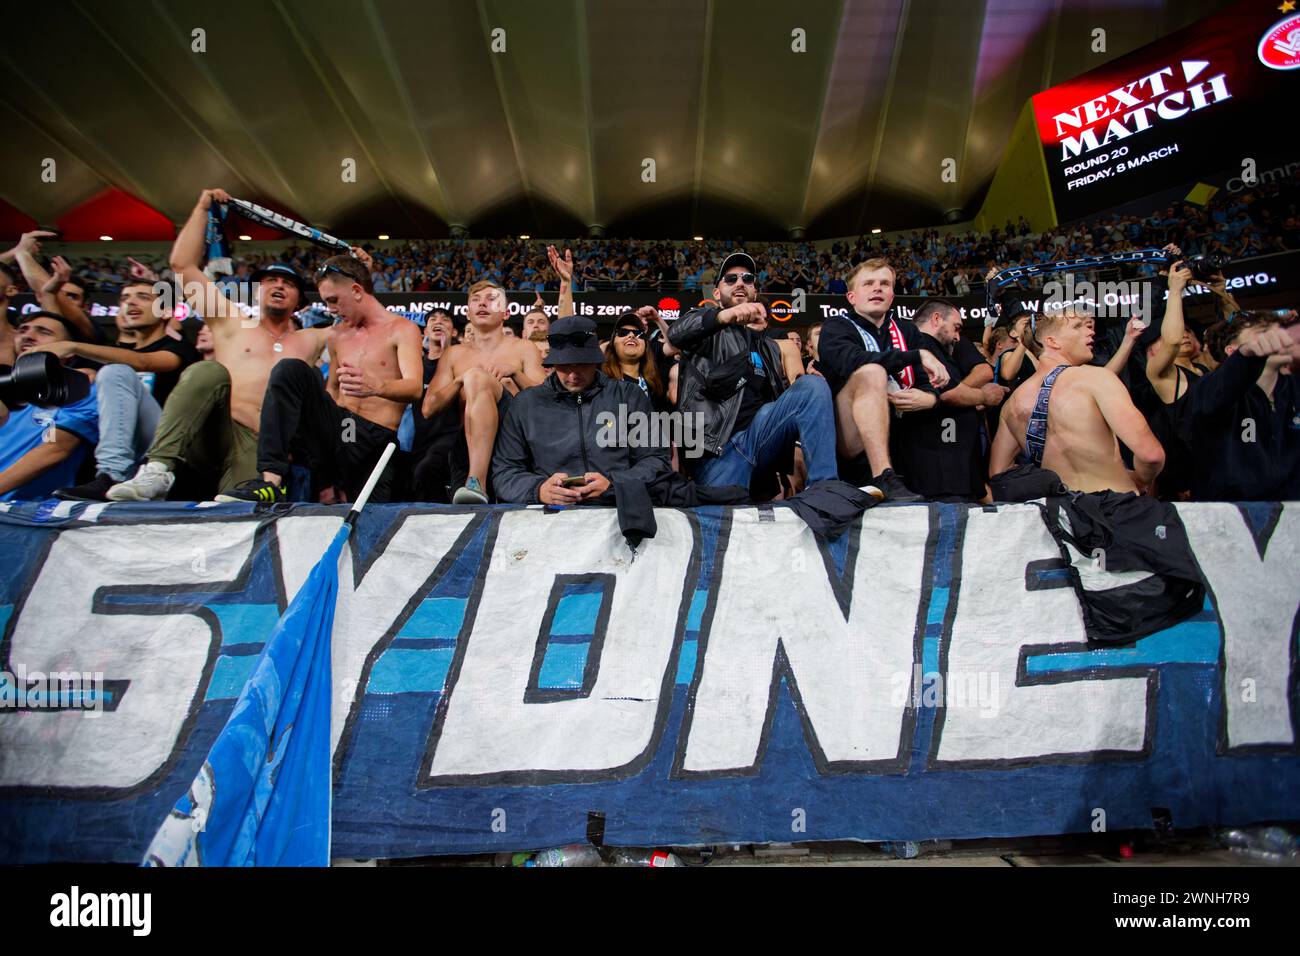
286,271
737,259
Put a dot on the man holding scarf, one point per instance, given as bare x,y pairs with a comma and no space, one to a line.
874,362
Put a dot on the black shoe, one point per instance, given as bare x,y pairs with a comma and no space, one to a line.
893,487
255,490
93,490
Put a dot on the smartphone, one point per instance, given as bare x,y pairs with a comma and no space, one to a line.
577,481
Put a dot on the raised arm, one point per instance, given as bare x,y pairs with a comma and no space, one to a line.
186,259
1161,362
48,287
564,269
1132,333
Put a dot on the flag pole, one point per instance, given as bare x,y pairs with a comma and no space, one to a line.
370,484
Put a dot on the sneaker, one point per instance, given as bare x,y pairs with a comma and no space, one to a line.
255,490
471,494
151,483
95,490
892,488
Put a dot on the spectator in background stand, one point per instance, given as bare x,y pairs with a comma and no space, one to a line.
55,293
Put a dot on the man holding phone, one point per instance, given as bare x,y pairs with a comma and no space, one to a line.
563,442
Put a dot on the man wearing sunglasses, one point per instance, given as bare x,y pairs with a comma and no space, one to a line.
339,428
212,416
734,377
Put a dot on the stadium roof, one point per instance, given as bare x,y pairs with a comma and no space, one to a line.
550,135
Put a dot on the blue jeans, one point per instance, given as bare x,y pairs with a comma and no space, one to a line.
128,417
803,411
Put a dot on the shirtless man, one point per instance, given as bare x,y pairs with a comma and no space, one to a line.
1085,409
339,429
479,378
211,419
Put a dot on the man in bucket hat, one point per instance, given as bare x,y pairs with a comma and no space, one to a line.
563,442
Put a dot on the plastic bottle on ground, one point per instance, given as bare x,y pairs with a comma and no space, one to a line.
579,854
632,856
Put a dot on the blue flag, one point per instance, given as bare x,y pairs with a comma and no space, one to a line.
263,795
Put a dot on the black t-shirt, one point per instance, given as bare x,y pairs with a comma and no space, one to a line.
439,430
164,382
938,451
758,389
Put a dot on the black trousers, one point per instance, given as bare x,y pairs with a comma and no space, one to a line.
300,420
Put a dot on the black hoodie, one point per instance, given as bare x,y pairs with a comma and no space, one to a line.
1244,447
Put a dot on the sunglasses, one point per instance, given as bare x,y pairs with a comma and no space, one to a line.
323,271
732,278
628,332
575,340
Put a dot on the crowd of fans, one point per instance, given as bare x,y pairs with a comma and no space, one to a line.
1253,221
247,404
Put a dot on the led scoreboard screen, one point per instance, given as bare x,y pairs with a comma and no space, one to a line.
1218,96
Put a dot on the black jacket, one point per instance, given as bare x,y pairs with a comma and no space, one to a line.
705,344
840,351
548,429
1229,463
